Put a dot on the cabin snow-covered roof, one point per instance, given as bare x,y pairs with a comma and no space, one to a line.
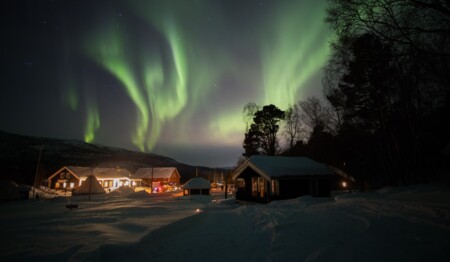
99,172
158,172
279,167
197,183
103,172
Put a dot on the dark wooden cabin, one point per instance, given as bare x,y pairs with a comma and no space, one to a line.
267,178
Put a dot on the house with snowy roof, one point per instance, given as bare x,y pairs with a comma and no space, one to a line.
267,178
197,186
158,176
69,177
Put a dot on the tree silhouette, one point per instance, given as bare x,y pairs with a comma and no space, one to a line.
292,125
261,138
388,82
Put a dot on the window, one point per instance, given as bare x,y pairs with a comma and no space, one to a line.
275,188
261,187
258,187
254,186
72,185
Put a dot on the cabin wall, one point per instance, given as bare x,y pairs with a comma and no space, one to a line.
108,183
63,180
197,191
252,187
324,186
291,188
319,186
174,178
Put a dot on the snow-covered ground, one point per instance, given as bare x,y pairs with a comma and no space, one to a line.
406,224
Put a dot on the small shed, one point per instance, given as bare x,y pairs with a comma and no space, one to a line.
267,178
197,186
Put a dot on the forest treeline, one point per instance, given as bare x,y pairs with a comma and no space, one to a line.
385,117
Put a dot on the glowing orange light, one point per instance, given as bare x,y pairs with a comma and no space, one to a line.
344,184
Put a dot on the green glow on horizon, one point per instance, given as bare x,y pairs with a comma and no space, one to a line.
92,123
228,126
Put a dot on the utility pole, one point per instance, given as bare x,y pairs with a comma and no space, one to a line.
90,188
226,186
151,183
37,171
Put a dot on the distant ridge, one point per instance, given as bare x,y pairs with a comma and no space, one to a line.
19,156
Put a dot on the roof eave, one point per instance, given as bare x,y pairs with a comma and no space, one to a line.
246,164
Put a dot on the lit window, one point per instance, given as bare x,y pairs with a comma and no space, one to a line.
72,185
254,186
275,188
261,186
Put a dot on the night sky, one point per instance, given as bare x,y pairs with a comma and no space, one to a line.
168,77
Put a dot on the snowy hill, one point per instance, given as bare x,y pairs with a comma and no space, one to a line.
403,224
19,156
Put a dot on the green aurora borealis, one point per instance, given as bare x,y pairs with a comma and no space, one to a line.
185,69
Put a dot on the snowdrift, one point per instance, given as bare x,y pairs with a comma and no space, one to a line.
392,224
